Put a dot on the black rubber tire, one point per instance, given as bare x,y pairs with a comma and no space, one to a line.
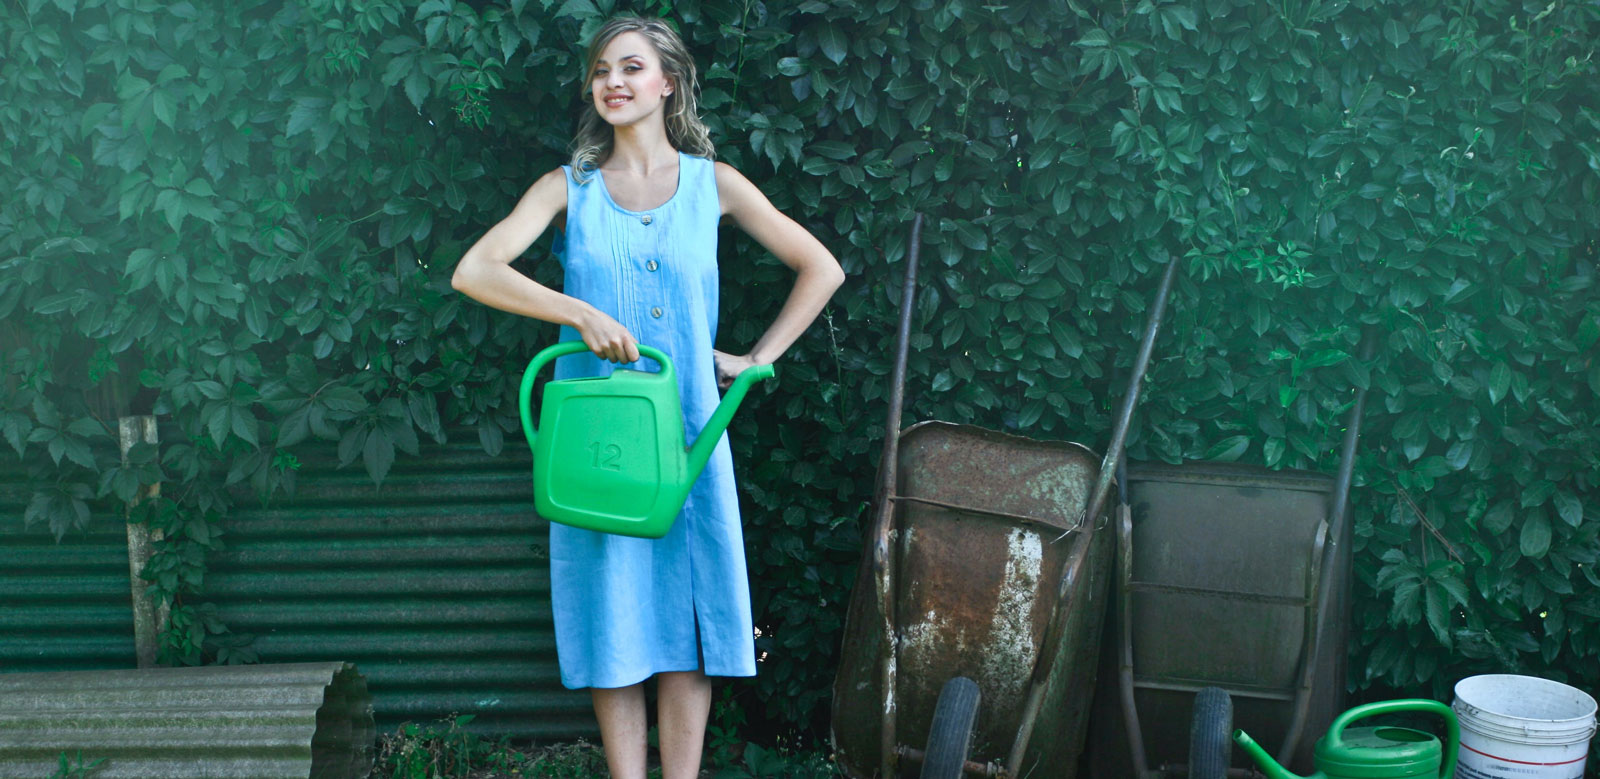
951,734
1211,734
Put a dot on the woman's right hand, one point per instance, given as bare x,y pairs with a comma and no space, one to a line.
607,338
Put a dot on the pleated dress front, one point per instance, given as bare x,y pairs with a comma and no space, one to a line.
628,608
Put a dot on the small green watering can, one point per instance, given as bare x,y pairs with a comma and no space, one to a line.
1373,753
612,456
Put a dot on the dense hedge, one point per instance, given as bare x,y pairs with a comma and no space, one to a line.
243,217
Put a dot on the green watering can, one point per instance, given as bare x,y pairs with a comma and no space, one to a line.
1374,753
612,456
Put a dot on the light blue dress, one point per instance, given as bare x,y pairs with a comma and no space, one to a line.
629,608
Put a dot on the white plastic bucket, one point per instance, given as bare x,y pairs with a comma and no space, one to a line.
1522,727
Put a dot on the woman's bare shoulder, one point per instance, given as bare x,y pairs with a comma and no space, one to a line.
548,193
554,180
727,174
737,193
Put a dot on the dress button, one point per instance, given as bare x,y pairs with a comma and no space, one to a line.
656,312
651,265
645,219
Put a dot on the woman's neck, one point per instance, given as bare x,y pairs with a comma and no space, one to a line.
640,150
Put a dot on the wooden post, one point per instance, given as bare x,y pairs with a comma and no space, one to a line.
148,621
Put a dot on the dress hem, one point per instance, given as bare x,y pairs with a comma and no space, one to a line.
737,675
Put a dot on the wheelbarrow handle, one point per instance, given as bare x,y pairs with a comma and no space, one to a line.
1337,522
1055,629
883,523
1130,399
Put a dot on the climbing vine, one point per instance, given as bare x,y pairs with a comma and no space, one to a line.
242,218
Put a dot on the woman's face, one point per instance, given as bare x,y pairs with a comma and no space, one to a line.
627,83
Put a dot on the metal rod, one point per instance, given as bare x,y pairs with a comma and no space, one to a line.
1234,690
1056,627
883,527
1130,710
1182,769
957,508
1130,399
1338,523
1179,589
968,767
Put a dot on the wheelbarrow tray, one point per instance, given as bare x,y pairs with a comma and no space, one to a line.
982,521
1225,564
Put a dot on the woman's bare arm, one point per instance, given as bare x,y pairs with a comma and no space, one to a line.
817,273
485,274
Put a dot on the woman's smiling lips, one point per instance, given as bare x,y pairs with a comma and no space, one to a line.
616,100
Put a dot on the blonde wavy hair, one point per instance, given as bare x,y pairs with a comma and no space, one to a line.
592,143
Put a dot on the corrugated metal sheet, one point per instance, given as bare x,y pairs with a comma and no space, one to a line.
436,585
63,606
301,720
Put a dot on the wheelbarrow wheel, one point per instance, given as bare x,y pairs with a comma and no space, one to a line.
1210,734
951,734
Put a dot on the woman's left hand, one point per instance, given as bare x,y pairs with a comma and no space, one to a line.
729,366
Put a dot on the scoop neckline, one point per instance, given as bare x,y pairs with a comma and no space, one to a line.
600,175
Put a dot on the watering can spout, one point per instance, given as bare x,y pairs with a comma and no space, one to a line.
1268,766
700,450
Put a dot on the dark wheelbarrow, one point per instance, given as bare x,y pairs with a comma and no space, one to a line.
972,641
1231,611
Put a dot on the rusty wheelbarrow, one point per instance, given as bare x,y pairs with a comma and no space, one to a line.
1232,610
974,627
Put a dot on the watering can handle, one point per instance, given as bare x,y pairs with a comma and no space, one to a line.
1452,724
525,394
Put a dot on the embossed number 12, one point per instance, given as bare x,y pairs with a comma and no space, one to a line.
606,456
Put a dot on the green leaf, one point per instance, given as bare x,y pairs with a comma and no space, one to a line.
378,455
491,438
1272,451
578,9
1537,493
1228,450
245,426
164,106
1094,38
172,72
295,427
1437,611
218,423
1535,538
1499,518
306,113
1395,32
1569,508
1499,382
833,43
345,399
199,188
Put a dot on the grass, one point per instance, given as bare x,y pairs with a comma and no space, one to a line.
447,750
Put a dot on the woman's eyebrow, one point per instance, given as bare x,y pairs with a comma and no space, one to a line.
619,59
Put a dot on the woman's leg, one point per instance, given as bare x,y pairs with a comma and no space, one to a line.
622,729
683,701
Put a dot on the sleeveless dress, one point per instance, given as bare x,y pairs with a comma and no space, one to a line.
628,608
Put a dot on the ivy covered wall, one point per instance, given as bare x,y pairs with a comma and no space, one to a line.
242,217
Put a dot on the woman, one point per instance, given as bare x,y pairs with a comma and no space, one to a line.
639,207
